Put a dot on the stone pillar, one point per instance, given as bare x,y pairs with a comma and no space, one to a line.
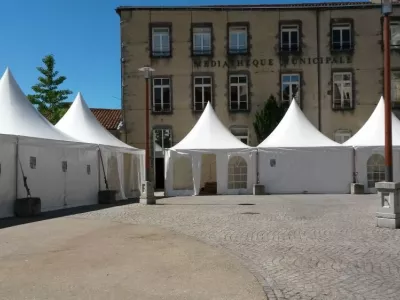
147,193
388,214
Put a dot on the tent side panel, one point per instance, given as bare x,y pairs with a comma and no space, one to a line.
42,165
314,170
82,184
7,177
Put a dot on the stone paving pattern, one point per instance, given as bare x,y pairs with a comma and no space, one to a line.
298,246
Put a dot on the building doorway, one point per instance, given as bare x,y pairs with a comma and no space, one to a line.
162,140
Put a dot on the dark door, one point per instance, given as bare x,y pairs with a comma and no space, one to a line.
160,173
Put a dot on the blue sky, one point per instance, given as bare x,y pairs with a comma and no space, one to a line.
82,34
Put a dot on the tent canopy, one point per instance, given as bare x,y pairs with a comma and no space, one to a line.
209,134
80,123
295,130
373,131
19,117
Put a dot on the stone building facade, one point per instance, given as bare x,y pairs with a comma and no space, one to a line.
329,57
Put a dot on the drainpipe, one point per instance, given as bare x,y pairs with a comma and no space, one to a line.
16,167
318,68
257,170
122,83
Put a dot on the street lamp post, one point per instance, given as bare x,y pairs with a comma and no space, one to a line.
386,11
388,214
147,191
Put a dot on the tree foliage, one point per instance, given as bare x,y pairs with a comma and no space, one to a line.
47,97
267,118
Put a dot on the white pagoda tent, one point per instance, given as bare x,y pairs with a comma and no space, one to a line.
209,153
297,158
122,165
54,163
369,143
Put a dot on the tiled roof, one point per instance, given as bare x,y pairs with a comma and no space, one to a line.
109,118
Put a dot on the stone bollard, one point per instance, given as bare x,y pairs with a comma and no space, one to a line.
388,214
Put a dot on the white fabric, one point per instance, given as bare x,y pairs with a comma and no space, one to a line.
33,136
208,136
295,130
373,131
370,139
19,117
297,158
80,123
7,175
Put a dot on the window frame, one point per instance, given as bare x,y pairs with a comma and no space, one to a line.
238,75
235,26
240,137
162,86
206,53
194,85
298,28
397,22
371,169
160,54
299,98
241,184
351,105
393,92
342,133
342,24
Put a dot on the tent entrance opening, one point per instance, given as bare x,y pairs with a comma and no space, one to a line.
208,180
159,173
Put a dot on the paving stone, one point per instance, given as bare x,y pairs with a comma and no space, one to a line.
298,246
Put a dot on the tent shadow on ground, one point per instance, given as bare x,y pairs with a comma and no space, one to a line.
14,221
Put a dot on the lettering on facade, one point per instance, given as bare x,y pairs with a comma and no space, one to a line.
295,61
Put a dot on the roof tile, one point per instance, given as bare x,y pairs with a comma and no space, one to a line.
109,118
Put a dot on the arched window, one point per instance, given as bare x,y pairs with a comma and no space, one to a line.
237,173
375,169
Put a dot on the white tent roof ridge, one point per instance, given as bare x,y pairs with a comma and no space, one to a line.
209,134
372,133
80,123
295,130
19,117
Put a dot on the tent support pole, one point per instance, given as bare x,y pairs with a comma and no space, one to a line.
16,167
104,171
257,166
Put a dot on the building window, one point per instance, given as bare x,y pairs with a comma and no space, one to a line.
342,135
238,37
290,38
375,169
238,92
241,133
202,91
290,88
162,139
342,90
395,86
395,34
237,173
161,41
202,41
341,37
162,100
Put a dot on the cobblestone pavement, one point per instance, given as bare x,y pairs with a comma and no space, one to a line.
298,246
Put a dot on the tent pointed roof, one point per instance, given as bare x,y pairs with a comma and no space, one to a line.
19,117
295,130
209,134
373,131
80,123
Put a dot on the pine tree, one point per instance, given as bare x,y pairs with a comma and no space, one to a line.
267,118
47,97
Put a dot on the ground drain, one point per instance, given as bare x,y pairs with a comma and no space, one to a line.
246,204
250,213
